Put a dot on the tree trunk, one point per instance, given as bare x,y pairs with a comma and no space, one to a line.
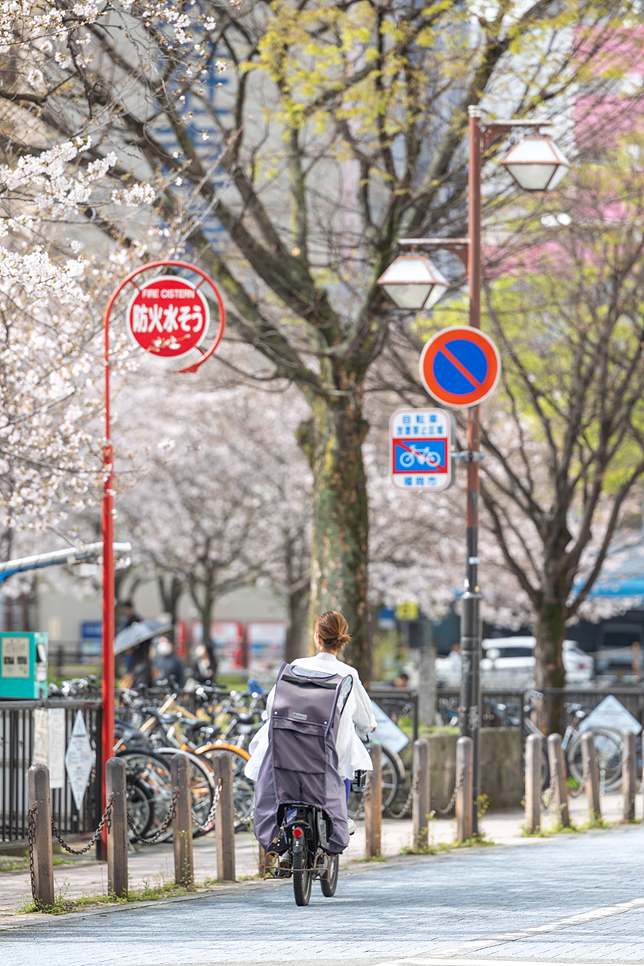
296,629
549,672
170,594
332,440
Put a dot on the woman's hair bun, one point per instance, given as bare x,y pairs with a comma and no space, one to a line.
332,629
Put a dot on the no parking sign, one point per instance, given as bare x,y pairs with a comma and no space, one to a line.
460,367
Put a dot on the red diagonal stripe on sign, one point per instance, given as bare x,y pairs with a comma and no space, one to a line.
459,365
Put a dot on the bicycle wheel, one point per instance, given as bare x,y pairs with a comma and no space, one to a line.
202,790
329,877
608,749
140,806
243,788
302,876
391,782
153,773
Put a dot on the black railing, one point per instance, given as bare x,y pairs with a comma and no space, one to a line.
17,729
397,703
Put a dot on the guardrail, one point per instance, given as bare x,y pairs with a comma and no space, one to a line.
17,730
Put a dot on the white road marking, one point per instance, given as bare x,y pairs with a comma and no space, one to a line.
446,955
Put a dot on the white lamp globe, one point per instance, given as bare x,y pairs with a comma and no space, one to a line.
413,282
536,163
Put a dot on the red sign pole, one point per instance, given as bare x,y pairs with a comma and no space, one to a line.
107,733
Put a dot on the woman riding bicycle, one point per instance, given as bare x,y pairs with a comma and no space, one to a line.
357,718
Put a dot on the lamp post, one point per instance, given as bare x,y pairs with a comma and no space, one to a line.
536,164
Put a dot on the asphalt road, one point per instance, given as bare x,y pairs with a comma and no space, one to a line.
576,898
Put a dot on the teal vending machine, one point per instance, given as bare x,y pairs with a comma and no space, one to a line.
23,665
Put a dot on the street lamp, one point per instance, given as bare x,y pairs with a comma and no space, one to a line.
413,282
536,164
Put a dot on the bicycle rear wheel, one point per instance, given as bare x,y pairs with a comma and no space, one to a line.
202,790
243,788
391,782
329,877
140,805
608,749
302,876
151,772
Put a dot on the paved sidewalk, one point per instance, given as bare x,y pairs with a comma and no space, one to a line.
83,876
575,899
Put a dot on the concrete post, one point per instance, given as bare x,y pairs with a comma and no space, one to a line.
225,819
464,783
184,869
373,805
117,834
427,685
43,855
591,775
420,802
557,765
533,752
629,774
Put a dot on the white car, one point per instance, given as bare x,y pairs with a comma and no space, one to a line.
509,661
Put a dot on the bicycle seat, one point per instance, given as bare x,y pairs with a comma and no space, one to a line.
162,717
243,718
203,726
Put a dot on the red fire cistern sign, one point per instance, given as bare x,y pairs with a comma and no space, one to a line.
168,317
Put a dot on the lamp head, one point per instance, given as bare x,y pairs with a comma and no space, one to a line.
413,282
536,163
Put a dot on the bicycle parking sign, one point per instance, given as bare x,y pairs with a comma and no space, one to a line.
421,456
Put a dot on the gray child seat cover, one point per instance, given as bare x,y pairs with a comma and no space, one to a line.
301,764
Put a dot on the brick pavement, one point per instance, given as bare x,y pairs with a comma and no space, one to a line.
574,899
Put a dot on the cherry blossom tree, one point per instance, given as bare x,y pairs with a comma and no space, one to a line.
341,127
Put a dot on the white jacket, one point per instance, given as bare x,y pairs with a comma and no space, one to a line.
357,719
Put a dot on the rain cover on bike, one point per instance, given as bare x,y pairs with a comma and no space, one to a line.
301,764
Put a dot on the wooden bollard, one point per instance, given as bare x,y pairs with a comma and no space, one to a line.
464,789
420,799
225,819
373,805
591,775
533,763
42,849
558,779
629,774
117,832
184,868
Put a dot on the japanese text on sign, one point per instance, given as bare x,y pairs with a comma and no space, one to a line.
168,320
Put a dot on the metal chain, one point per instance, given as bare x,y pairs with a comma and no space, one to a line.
549,794
404,811
31,836
105,820
164,825
207,825
457,788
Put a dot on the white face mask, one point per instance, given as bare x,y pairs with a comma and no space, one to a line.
164,648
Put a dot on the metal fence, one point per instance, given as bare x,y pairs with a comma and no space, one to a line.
16,756
398,703
632,697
